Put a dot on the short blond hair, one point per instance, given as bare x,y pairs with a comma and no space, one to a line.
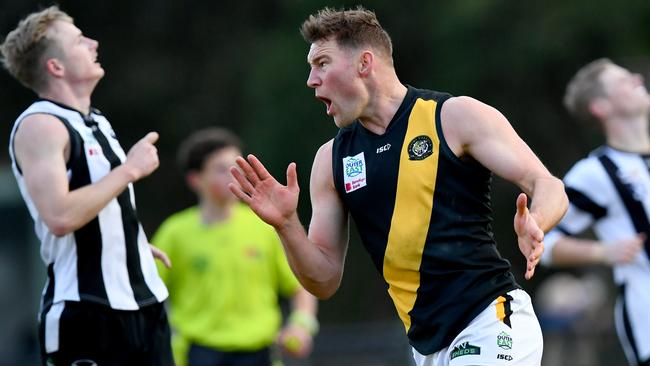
26,48
584,87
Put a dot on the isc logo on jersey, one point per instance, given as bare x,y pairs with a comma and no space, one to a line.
354,172
381,149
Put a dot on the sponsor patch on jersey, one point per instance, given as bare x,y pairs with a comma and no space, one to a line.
504,340
354,172
420,148
465,349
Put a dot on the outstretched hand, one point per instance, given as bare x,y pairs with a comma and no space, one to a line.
271,201
529,236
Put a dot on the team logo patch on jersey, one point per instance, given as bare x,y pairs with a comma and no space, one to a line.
465,349
354,172
504,340
420,148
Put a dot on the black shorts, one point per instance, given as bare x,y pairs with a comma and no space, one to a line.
91,334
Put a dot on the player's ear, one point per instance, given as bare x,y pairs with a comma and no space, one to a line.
600,107
54,67
366,63
192,180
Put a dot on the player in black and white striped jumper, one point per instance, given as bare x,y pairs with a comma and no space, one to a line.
609,190
102,304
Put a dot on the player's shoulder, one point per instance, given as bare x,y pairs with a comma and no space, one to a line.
40,127
586,167
325,150
587,175
41,124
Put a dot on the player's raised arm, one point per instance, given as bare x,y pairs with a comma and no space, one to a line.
479,130
317,259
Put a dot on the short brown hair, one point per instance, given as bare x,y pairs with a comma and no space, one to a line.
584,87
196,148
350,28
27,46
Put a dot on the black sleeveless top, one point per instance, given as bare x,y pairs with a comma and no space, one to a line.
424,216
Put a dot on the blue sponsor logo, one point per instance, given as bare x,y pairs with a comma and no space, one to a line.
353,167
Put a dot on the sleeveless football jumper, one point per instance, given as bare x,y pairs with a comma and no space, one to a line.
424,217
107,261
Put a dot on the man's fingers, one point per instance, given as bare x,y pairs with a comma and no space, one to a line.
530,273
166,261
537,234
245,167
259,168
292,177
244,184
151,137
522,202
236,190
160,255
530,267
534,257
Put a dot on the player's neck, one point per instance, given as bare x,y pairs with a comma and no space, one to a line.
629,135
214,212
383,104
77,98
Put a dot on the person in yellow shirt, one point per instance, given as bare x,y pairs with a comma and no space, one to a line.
228,269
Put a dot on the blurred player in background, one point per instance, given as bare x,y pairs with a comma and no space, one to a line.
609,191
229,269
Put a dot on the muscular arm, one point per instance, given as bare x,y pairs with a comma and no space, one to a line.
476,129
317,258
329,226
40,145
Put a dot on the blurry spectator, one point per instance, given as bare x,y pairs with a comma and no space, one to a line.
228,269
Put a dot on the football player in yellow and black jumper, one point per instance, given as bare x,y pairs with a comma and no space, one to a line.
413,168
